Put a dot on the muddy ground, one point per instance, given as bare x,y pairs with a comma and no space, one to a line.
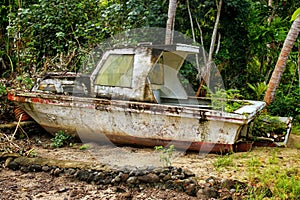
42,185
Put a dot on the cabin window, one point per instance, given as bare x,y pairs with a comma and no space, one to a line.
156,75
164,76
116,71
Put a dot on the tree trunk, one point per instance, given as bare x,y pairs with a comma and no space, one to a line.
281,62
208,62
170,22
270,18
191,20
214,35
299,63
194,39
212,44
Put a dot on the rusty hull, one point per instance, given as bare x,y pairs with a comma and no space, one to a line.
136,123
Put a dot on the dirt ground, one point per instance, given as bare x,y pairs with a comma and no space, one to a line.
41,185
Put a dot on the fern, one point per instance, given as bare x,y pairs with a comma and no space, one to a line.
258,88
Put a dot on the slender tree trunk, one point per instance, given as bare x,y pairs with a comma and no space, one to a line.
202,41
213,41
191,20
219,43
270,46
208,62
299,63
194,39
200,88
270,18
281,62
214,35
18,41
170,22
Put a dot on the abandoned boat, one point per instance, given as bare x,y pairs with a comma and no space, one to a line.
134,96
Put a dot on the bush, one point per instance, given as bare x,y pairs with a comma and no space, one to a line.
286,105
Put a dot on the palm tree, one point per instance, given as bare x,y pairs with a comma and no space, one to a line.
281,62
170,22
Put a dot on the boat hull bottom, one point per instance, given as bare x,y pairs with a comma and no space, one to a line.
115,139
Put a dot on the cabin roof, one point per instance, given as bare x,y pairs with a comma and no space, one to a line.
179,47
174,47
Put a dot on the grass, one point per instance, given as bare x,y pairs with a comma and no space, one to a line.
296,129
283,183
253,163
297,145
84,147
271,173
274,158
223,161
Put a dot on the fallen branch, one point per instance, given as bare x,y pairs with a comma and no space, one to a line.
9,141
14,124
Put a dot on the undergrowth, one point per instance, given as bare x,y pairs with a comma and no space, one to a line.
269,172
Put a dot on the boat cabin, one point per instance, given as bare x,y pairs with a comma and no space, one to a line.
146,73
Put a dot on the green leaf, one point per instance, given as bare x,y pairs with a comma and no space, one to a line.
295,15
251,86
60,34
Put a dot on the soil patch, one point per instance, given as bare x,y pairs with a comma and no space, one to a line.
211,171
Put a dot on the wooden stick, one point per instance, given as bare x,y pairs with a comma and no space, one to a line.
13,124
13,135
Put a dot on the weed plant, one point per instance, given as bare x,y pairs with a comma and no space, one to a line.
166,154
61,139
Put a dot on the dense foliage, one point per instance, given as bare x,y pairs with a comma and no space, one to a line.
39,35
55,34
